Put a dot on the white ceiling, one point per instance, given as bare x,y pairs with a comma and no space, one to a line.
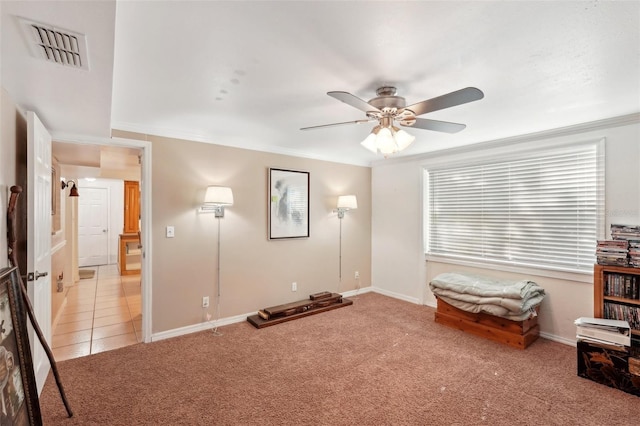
251,73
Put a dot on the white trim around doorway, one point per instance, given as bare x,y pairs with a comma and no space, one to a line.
145,213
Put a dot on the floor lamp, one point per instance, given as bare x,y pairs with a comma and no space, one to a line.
345,203
215,200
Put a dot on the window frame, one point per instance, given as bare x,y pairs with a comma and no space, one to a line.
498,154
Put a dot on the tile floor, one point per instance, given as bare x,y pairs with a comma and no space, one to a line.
101,314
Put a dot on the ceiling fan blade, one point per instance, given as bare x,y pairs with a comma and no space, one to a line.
438,126
337,124
458,97
353,100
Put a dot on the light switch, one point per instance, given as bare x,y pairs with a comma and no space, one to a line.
170,232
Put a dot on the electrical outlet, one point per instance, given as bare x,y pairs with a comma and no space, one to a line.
294,286
357,275
170,232
205,301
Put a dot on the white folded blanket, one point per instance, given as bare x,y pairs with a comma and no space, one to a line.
485,286
514,300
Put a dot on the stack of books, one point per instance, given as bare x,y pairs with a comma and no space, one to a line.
612,252
625,232
603,331
630,234
634,254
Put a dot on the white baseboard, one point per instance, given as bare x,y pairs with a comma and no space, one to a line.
558,339
431,305
195,328
352,293
544,335
203,326
399,296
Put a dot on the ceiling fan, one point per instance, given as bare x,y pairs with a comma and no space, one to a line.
388,109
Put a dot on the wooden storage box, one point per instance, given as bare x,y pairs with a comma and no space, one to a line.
518,334
609,366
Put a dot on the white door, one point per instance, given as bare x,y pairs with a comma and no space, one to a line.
39,239
93,220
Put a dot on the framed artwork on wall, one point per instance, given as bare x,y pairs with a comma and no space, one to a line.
17,379
288,204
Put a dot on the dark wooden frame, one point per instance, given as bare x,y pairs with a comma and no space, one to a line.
283,221
14,345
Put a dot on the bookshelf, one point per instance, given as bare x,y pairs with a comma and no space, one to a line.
616,294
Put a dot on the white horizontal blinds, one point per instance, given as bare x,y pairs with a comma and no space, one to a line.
536,211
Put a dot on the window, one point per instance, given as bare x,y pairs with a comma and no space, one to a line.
541,210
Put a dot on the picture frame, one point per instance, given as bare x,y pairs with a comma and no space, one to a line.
288,207
18,388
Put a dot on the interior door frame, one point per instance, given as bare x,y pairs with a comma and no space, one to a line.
145,214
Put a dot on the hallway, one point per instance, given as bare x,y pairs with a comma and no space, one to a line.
102,313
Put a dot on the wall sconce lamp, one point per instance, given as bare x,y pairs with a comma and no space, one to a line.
345,203
73,192
216,198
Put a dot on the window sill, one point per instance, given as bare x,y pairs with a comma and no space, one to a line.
585,277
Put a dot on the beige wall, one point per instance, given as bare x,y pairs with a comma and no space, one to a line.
398,261
255,272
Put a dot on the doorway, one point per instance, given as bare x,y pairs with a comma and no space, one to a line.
106,160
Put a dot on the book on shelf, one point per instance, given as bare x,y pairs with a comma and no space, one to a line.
612,261
611,244
622,285
621,311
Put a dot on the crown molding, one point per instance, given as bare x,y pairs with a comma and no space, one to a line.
606,123
196,137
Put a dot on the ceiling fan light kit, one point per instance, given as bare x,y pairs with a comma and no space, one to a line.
389,109
387,140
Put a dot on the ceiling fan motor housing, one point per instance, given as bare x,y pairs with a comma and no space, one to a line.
386,98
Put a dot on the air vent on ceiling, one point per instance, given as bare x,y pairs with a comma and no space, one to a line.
56,45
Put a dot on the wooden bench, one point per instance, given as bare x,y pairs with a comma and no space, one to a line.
518,334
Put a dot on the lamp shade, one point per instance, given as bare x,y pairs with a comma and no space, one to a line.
403,139
387,140
218,196
73,192
347,202
370,143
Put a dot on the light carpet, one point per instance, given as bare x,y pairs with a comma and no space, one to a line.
379,362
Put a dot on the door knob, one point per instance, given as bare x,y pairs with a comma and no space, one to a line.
32,277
